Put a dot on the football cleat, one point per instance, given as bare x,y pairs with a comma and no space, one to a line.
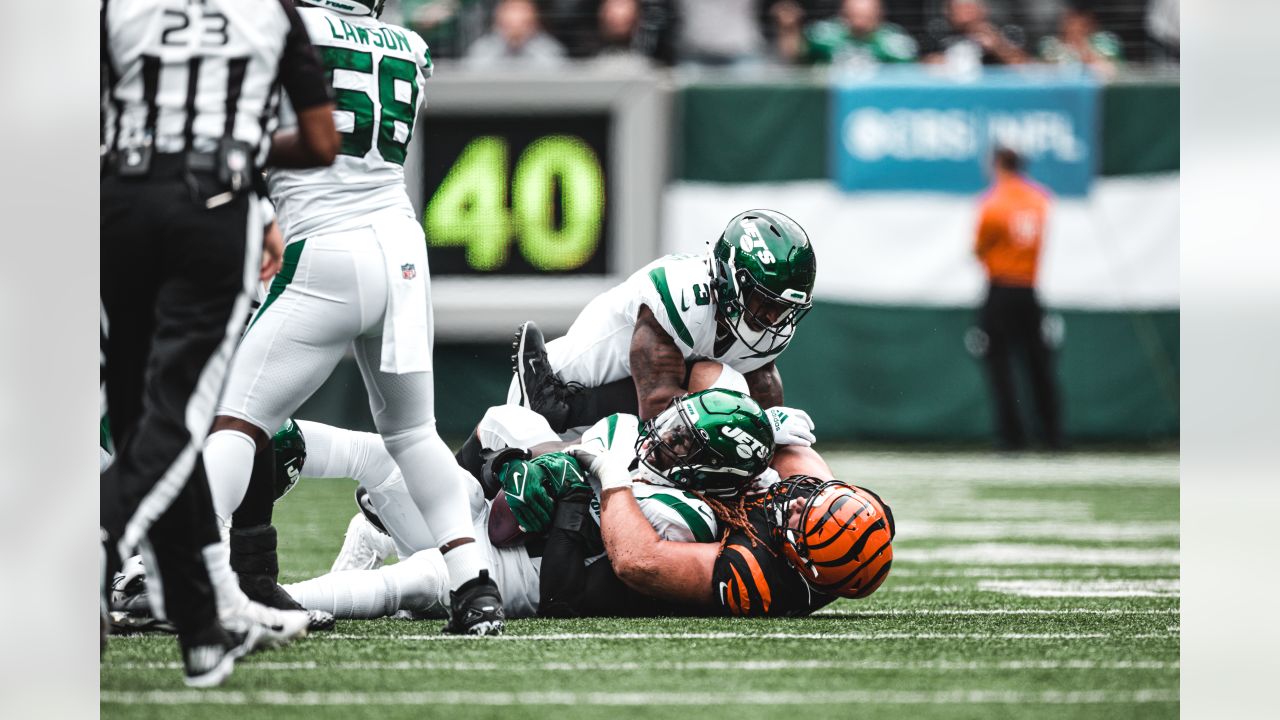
320,621
541,390
279,627
209,664
363,547
476,608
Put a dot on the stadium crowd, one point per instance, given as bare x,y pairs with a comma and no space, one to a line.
749,33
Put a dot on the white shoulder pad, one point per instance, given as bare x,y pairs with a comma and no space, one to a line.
615,433
677,515
676,290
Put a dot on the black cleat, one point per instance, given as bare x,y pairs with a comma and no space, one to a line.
475,608
319,621
208,664
541,390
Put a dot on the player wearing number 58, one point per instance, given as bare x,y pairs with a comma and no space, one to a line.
355,276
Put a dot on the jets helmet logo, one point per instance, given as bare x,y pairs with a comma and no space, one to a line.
747,444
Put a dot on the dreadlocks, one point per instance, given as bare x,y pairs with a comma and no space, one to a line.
735,516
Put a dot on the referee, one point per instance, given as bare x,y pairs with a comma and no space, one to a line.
191,90
1010,237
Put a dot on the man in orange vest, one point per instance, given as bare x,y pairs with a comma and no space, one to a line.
1010,234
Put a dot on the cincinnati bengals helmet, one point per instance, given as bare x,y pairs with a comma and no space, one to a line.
837,536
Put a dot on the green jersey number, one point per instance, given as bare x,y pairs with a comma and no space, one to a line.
357,141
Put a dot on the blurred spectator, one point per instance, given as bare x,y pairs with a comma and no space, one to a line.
858,34
1080,42
1162,28
618,35
968,35
448,26
517,38
720,32
1010,234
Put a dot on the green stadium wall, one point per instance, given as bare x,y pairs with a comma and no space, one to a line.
895,370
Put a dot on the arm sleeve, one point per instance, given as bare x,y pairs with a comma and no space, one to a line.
301,73
743,579
563,578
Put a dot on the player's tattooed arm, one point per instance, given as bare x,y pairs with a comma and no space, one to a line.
766,385
657,365
646,563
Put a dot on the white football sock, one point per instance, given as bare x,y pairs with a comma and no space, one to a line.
228,462
431,474
226,587
465,563
418,584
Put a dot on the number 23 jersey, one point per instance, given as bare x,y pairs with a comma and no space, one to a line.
378,73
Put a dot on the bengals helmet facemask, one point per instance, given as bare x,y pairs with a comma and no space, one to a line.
837,536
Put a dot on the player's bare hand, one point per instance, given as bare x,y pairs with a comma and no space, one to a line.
272,251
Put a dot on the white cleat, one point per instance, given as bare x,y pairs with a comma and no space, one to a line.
364,547
278,627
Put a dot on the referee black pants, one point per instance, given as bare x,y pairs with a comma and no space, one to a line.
175,278
1012,319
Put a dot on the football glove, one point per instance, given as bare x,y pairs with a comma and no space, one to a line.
791,426
609,468
532,487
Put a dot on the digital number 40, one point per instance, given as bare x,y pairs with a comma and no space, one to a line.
469,209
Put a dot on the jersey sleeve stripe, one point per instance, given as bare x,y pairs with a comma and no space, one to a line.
757,575
698,526
739,600
659,277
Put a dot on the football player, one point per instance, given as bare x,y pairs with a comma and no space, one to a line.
543,529
631,347
354,276
541,512
804,542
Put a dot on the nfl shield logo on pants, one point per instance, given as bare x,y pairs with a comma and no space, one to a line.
408,271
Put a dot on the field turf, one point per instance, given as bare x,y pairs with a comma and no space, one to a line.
1021,587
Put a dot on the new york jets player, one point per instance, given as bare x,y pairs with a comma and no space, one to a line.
354,275
537,493
630,347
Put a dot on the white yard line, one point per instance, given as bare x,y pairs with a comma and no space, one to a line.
947,469
1035,530
1083,588
1000,611
1079,572
1030,554
712,699
743,665
549,637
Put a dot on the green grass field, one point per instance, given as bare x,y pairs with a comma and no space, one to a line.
1022,587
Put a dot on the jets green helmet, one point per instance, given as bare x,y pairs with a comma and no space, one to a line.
763,269
290,451
350,7
715,441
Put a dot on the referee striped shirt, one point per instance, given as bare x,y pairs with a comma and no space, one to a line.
183,74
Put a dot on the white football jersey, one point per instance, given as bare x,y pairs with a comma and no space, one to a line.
378,72
677,289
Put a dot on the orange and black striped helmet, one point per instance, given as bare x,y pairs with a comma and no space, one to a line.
836,535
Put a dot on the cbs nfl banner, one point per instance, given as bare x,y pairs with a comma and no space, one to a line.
915,131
